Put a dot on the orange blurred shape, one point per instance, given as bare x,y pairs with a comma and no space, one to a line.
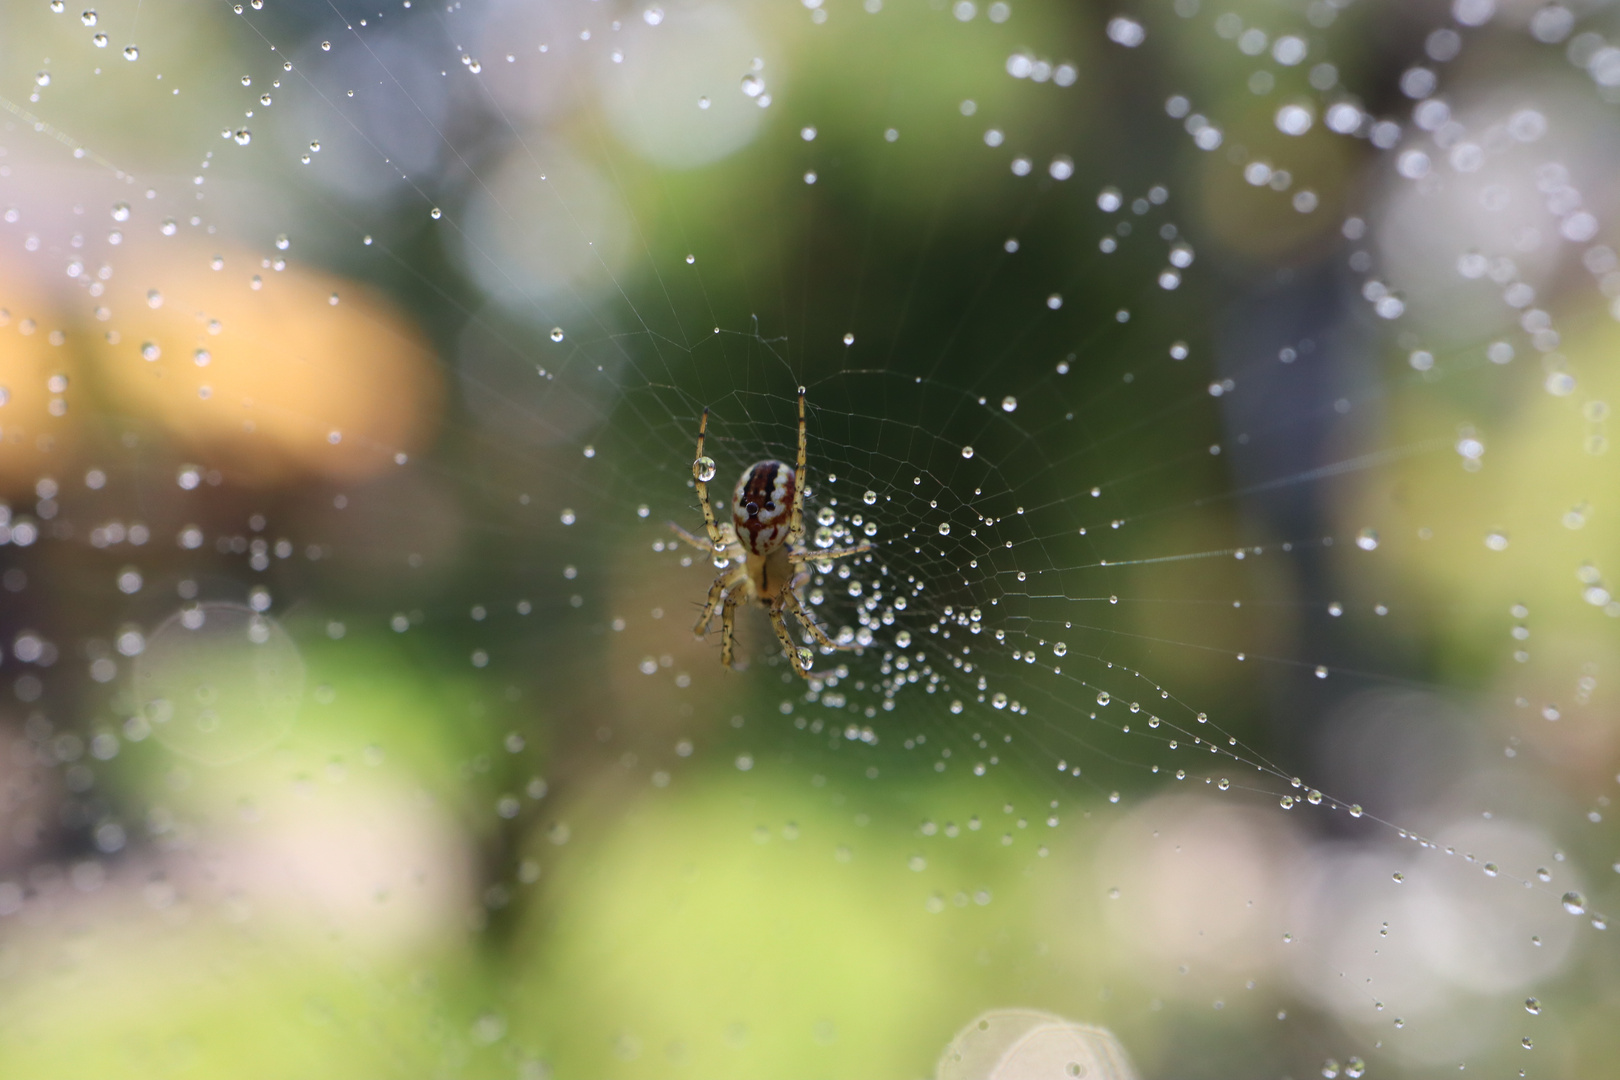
268,374
38,427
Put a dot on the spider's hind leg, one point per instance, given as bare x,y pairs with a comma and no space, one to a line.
779,624
716,596
796,605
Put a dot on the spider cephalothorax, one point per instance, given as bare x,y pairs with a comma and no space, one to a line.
760,551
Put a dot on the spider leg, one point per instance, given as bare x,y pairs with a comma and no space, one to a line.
728,629
707,549
796,521
779,624
715,537
721,583
795,605
832,553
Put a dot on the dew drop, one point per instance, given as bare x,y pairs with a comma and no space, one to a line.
131,53
1009,404
1397,877
1532,1006
1367,539
1103,698
869,498
703,469
89,17
944,528
967,451
1060,648
1574,903
242,136
556,333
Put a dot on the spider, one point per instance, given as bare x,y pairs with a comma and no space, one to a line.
760,551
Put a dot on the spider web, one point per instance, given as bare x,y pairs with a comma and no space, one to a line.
1172,443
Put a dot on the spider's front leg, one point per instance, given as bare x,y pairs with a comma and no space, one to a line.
800,556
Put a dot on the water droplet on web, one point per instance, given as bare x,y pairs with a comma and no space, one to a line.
242,136
1532,1006
753,85
944,528
150,351
1103,697
131,52
120,211
100,41
556,333
435,213
1126,32
1496,540
1527,1043
1574,903
1286,802
1355,810
1330,1069
967,451
326,46
999,700
1367,539
653,15
1397,877
43,78
869,497
88,17
1009,404
1060,648
1355,1068
703,469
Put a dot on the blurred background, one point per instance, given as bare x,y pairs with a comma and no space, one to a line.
1221,385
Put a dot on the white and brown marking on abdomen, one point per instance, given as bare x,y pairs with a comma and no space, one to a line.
762,506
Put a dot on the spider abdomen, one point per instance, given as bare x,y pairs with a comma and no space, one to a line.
762,506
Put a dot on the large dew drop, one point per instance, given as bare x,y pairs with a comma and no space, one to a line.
1574,903
703,469
219,682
